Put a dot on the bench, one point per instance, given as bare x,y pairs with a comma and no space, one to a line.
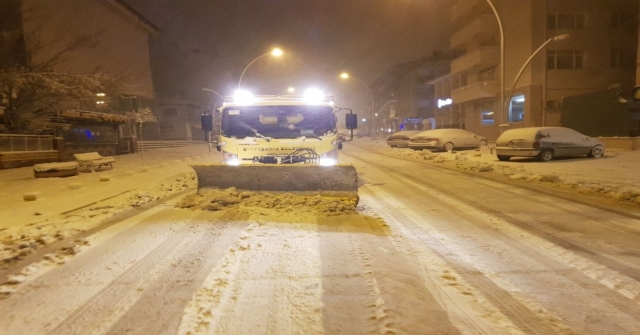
90,160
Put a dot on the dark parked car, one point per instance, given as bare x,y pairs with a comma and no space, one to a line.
545,143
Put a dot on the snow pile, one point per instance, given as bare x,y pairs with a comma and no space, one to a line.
215,200
612,177
14,247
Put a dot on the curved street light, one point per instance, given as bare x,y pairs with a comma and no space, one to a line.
345,75
502,75
212,91
275,52
515,82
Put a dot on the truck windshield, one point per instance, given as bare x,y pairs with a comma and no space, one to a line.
278,121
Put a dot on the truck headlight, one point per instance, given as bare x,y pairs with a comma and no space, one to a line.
230,159
329,158
328,161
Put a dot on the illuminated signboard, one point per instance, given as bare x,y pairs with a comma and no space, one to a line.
444,102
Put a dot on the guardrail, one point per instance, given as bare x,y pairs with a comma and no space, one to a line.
13,142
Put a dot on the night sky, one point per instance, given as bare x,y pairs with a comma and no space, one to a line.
320,38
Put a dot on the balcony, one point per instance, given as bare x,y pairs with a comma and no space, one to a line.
477,59
475,91
482,25
463,8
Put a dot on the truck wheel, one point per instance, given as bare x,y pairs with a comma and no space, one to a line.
503,158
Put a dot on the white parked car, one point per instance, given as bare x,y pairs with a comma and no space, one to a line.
446,139
545,143
401,138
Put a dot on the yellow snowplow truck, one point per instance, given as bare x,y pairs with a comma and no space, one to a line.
280,144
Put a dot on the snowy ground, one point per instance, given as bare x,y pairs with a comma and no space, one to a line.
614,176
67,206
426,251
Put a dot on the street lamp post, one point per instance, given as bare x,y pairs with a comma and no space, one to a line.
381,108
275,52
212,91
515,82
502,66
345,75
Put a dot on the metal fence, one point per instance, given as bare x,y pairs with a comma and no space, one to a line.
10,142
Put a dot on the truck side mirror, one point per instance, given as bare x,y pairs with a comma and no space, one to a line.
206,122
351,121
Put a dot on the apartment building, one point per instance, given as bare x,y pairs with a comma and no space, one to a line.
407,85
600,52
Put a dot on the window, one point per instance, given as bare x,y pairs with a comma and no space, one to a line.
565,59
170,112
621,20
565,21
90,134
623,59
487,113
487,74
490,42
516,108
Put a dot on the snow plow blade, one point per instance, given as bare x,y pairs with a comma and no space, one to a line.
338,180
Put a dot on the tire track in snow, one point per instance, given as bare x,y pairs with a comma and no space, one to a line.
60,291
512,308
350,295
534,252
267,283
159,309
395,300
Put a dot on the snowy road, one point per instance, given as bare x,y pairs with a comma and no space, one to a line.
430,251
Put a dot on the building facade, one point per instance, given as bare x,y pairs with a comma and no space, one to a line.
600,52
404,97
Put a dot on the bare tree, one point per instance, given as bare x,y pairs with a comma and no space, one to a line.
30,93
30,98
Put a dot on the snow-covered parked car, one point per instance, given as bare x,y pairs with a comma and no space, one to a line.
401,138
446,139
545,143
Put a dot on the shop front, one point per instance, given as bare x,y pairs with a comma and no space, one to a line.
85,131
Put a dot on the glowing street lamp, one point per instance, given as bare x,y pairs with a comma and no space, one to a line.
277,52
291,90
345,75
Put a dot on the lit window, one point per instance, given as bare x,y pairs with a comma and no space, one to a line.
516,108
487,113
